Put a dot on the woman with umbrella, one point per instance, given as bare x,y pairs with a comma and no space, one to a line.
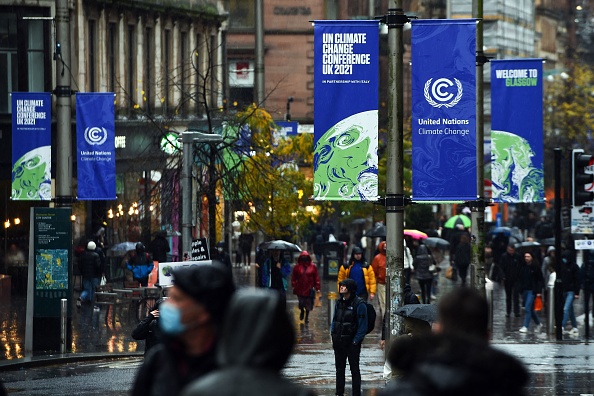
274,273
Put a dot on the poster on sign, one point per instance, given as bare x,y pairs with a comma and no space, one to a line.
166,270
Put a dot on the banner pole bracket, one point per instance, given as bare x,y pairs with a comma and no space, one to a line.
394,202
480,202
395,18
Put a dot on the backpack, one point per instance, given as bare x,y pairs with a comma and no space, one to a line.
371,314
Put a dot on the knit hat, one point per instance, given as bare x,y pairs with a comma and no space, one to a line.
91,245
209,284
550,249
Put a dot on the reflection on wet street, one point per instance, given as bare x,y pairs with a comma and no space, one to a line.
92,332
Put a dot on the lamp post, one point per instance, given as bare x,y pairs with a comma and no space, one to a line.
188,138
288,114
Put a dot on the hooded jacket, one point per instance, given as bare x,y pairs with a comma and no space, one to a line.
256,341
379,264
443,365
422,262
305,276
368,274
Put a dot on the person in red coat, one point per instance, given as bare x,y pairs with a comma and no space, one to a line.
306,282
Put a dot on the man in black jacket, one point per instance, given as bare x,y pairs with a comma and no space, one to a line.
510,266
91,269
348,329
190,322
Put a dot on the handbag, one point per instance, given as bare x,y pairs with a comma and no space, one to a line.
538,303
451,273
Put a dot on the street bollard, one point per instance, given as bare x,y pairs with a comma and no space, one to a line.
550,309
332,296
63,326
489,296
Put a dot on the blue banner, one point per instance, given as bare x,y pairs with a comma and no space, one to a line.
516,130
346,110
95,138
31,146
444,110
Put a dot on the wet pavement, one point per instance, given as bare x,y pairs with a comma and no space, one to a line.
558,368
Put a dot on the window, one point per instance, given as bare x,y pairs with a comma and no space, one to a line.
184,72
242,14
241,83
111,57
8,60
92,56
198,53
30,56
131,65
167,54
149,77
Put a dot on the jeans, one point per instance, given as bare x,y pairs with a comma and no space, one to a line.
528,297
89,285
568,312
341,354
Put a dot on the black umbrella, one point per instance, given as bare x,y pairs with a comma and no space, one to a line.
377,232
547,241
280,245
528,246
426,312
438,243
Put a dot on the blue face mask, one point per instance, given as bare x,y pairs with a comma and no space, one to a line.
170,319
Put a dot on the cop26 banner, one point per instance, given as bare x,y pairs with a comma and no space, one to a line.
346,110
31,146
444,110
516,130
95,138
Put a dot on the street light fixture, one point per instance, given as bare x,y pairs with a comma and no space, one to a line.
188,138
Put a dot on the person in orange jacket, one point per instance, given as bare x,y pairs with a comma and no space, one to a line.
361,272
379,269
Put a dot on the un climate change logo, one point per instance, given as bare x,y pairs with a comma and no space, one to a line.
95,136
437,96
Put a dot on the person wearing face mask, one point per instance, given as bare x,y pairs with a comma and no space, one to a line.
190,322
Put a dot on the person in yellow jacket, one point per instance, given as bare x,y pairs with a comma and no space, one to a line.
362,273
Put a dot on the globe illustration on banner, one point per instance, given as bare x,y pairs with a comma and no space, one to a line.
31,175
515,178
345,159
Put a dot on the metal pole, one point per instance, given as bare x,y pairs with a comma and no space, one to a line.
186,176
259,66
550,309
188,138
63,106
478,211
63,324
558,252
395,201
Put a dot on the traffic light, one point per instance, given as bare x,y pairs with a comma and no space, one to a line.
581,181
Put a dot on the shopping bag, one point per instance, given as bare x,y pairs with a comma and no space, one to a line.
538,303
318,300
